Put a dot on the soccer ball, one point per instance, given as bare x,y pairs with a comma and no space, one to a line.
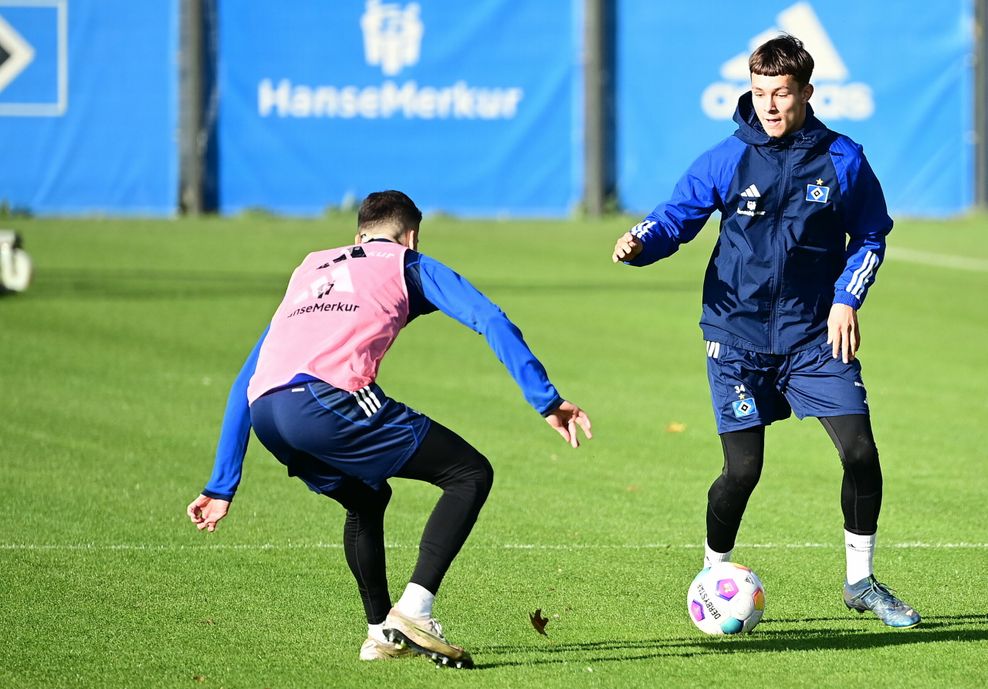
726,598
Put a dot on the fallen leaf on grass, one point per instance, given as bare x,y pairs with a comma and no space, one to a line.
539,622
675,427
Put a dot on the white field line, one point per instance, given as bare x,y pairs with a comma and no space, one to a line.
161,547
939,260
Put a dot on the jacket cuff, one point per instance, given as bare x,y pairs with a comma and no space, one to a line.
552,406
842,296
218,496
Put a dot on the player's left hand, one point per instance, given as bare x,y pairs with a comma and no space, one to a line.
565,418
843,332
205,512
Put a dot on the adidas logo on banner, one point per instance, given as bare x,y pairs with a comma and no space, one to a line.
833,98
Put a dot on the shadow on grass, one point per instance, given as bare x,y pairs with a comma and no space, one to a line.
152,284
768,639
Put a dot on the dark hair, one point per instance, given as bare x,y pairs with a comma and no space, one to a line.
782,56
388,207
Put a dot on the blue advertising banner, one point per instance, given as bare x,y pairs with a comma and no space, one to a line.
899,82
88,106
472,108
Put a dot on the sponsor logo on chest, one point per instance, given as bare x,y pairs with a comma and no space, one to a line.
751,202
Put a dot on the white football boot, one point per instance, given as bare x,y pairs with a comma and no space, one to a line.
425,637
372,649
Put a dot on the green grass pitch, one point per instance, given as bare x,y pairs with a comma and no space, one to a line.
114,370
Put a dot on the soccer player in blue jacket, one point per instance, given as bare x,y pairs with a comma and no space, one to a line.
781,296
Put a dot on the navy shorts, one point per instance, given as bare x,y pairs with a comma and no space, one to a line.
752,389
323,434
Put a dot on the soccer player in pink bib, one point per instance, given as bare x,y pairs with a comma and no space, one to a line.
308,390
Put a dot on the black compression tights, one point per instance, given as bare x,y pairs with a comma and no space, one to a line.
861,489
443,459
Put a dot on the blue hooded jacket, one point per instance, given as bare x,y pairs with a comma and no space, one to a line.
803,226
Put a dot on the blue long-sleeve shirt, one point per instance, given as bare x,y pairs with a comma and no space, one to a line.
432,286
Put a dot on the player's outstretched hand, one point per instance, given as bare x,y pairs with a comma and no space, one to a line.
627,247
843,333
565,419
206,512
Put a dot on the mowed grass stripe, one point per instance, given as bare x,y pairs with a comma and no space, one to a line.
939,260
467,547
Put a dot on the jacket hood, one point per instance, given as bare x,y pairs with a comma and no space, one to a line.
751,132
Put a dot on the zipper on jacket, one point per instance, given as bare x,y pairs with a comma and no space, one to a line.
778,244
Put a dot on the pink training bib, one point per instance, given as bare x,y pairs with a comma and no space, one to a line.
342,311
